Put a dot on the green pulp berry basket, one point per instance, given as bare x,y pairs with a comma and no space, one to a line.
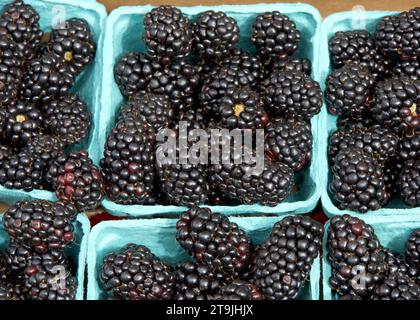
124,33
87,84
159,236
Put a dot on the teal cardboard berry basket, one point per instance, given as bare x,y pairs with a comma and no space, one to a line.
124,32
76,251
343,21
392,234
87,84
159,236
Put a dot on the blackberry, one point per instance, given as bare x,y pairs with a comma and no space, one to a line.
152,108
274,35
23,123
292,93
196,281
409,146
46,78
397,103
178,82
238,290
54,284
349,91
79,181
21,21
134,273
22,171
40,224
397,287
11,62
358,46
283,261
412,248
358,182
409,183
133,72
399,35
245,61
242,108
289,141
128,162
73,41
167,34
410,68
213,240
292,64
215,35
379,142
67,117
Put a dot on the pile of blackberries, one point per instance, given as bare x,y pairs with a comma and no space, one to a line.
375,91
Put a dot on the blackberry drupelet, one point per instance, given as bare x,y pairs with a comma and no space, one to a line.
283,261
212,239
410,68
397,287
134,273
292,64
358,181
40,224
274,35
242,108
196,281
46,78
152,108
167,34
409,183
238,290
22,170
72,41
215,35
23,123
128,162
349,91
79,181
397,104
412,248
67,117
21,21
133,72
240,59
292,93
289,141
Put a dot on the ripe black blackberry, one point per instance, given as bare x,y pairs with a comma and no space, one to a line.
215,35
242,108
243,60
133,72
289,141
397,287
11,62
292,64
23,123
409,146
397,104
212,239
196,281
409,183
178,82
412,248
73,41
46,78
134,273
21,21
349,90
292,93
358,46
376,141
152,108
358,182
56,283
167,34
410,68
67,117
238,290
22,170
399,35
283,261
79,181
128,162
40,224
274,35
